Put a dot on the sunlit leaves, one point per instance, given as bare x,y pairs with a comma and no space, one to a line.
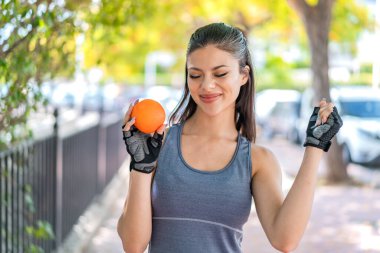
37,43
312,2
349,20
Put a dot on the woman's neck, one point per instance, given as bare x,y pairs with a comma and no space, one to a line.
201,124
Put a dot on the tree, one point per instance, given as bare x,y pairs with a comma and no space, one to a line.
120,49
37,44
317,17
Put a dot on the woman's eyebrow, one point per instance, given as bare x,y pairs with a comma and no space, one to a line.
214,68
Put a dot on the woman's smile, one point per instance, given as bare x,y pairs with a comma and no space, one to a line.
209,98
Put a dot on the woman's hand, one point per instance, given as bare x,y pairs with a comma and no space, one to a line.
323,125
143,148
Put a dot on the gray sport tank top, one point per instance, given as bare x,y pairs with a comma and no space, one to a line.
198,211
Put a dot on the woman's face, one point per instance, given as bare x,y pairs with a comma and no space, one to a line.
214,79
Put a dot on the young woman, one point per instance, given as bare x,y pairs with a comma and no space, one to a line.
192,192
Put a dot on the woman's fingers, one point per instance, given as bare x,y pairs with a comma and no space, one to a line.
127,115
323,102
161,129
128,124
324,112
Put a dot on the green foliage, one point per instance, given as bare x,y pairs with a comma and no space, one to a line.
300,64
28,198
278,67
117,37
312,2
359,79
119,45
275,74
349,19
37,44
42,231
366,68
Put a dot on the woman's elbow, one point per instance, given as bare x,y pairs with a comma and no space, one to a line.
130,245
284,246
133,248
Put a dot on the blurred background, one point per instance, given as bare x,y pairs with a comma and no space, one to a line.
69,69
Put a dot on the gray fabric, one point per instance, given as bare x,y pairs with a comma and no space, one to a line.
138,145
198,211
318,131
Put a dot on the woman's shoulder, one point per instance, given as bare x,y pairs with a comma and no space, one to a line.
171,127
262,159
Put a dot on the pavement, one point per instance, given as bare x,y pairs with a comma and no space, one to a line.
344,219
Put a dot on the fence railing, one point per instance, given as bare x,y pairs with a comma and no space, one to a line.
54,180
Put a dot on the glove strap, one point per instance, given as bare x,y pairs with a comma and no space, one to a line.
143,168
325,146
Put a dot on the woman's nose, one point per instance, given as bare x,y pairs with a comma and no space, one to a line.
208,83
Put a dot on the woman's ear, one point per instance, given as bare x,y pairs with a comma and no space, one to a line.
245,75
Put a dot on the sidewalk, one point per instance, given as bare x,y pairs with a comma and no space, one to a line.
344,219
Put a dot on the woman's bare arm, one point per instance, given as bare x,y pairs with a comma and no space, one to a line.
135,223
284,220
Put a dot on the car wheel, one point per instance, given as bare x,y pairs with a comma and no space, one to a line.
346,154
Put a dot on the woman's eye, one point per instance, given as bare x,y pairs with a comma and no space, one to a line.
220,75
193,77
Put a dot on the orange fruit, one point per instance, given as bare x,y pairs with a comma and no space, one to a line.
149,115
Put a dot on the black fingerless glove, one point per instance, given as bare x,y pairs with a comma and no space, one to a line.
143,149
320,136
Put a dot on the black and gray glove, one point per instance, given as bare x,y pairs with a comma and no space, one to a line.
143,149
320,136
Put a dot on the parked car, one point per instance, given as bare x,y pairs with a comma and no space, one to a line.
277,111
359,107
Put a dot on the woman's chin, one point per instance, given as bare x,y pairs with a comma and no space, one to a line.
212,112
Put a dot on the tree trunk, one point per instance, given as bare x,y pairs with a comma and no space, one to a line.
317,20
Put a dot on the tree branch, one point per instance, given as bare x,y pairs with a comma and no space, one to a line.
4,54
12,121
324,7
325,4
248,27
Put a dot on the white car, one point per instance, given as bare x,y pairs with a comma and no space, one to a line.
359,107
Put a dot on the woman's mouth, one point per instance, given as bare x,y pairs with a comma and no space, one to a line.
209,98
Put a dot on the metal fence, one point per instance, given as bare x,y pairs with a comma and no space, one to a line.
54,180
